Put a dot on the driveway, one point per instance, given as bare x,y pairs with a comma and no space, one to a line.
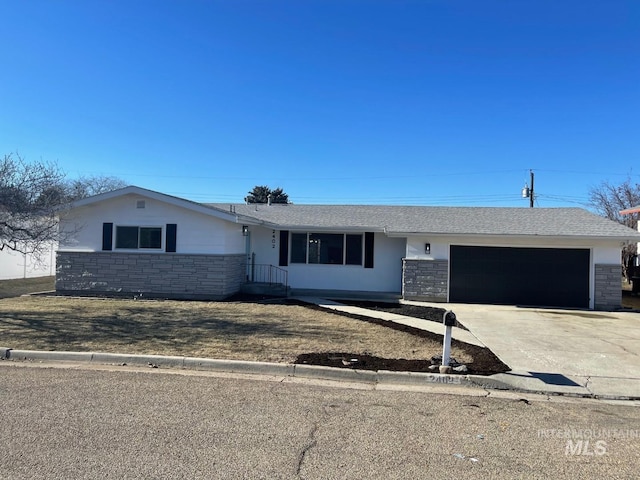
561,348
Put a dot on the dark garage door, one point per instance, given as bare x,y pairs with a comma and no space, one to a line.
519,276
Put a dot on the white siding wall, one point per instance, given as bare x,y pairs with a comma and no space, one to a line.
602,252
607,254
197,233
386,276
263,245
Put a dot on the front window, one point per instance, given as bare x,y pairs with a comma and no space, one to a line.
139,237
326,248
299,248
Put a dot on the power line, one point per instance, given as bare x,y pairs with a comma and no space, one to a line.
312,177
359,176
402,200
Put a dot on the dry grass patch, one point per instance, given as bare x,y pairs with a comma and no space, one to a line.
231,330
17,287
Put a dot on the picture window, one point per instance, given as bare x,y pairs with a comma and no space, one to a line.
326,248
139,237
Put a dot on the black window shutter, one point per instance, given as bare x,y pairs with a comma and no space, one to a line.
107,236
170,243
368,250
284,248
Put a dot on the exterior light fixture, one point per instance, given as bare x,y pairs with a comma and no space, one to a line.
427,248
245,230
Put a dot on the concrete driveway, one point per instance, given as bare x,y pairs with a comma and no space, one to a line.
561,350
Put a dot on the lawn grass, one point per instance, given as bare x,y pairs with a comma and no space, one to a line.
226,330
15,288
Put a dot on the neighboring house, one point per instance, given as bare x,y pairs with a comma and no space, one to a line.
25,265
137,241
633,265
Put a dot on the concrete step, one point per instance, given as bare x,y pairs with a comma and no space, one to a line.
257,288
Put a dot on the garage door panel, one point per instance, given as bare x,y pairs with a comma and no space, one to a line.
519,276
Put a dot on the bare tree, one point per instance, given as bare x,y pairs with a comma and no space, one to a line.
93,185
608,200
261,193
31,198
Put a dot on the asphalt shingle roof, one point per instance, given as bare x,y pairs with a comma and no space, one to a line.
548,222
572,222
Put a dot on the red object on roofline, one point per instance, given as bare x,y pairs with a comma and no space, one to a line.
630,210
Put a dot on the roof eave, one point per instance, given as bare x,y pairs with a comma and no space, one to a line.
610,238
316,228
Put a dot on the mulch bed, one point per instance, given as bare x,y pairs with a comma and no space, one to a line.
484,362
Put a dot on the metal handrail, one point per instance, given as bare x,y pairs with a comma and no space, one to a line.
270,274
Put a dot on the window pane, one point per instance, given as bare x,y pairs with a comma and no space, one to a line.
127,237
299,248
354,250
326,248
150,237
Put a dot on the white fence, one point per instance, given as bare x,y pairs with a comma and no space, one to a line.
17,265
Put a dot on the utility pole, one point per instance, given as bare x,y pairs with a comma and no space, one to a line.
528,192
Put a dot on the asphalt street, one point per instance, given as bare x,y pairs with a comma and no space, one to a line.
62,423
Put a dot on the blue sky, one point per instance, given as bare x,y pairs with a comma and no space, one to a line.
439,102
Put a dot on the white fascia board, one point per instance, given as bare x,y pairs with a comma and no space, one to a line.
315,228
131,189
161,197
616,238
248,220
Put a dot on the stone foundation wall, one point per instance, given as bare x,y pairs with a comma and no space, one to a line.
425,280
608,290
166,275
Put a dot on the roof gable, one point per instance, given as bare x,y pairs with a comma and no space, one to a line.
161,197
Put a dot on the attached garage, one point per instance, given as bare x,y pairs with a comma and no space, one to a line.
554,277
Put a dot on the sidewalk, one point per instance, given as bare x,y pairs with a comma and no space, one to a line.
433,327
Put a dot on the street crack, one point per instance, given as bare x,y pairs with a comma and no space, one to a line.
311,442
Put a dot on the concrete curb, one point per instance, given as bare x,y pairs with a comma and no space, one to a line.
380,377
241,366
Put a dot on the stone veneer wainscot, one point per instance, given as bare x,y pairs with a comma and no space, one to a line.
425,280
169,275
608,292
